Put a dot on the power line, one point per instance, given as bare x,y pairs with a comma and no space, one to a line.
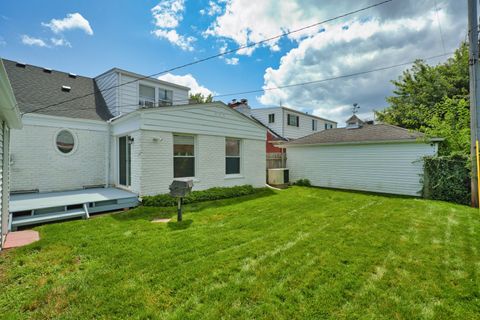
253,44
356,74
439,26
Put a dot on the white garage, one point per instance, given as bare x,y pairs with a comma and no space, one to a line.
367,157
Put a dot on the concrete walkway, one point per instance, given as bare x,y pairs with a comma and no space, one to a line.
20,238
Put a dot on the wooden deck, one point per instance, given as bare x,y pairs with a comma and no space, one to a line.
37,208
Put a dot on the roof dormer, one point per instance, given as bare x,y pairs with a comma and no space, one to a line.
354,122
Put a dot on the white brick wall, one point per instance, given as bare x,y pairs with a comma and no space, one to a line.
155,172
36,164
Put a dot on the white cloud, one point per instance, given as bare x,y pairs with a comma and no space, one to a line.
71,21
232,61
186,80
3,43
183,42
60,42
245,23
212,9
355,46
167,15
31,41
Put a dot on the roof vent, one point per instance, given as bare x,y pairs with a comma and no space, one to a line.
21,64
47,70
72,75
66,88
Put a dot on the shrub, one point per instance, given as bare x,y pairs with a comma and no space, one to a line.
447,178
303,183
165,200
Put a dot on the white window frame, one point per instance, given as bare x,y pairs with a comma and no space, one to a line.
195,167
272,115
294,116
240,152
314,125
147,99
75,142
161,92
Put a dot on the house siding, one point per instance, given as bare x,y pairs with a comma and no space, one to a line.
305,125
155,172
385,168
262,116
36,164
106,83
129,94
3,199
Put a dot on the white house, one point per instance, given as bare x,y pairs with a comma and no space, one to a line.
9,119
369,157
290,123
118,131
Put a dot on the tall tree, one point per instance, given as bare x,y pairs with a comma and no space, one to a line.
434,100
420,91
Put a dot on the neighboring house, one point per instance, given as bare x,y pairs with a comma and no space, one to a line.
133,135
283,124
368,157
9,119
291,124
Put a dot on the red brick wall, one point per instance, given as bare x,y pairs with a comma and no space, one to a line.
270,144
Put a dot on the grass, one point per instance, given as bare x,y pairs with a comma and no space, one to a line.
302,253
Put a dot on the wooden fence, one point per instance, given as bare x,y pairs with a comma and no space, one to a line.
276,160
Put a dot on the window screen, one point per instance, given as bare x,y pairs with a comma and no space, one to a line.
183,156
232,159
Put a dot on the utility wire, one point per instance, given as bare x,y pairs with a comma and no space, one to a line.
344,76
439,26
253,44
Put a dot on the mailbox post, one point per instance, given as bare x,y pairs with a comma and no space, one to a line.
179,189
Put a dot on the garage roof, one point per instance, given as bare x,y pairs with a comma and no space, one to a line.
368,133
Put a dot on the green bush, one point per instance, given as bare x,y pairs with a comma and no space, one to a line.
447,178
165,200
303,183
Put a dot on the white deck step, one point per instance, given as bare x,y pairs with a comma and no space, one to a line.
42,218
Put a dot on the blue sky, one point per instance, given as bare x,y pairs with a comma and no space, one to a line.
90,37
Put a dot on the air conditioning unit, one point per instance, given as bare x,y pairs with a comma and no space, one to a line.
146,103
278,177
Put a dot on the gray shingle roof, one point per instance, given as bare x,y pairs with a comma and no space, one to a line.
34,88
366,133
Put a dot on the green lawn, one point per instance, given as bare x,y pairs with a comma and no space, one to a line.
302,253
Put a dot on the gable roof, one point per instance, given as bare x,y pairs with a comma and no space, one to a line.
8,105
369,133
35,88
354,119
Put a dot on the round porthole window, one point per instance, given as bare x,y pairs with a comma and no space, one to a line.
65,141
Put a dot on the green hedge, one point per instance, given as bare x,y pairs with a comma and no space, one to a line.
447,178
165,200
303,183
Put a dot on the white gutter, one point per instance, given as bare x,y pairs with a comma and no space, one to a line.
292,145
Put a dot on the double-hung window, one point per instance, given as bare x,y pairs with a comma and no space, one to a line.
183,156
293,120
232,156
314,125
146,96
271,118
165,97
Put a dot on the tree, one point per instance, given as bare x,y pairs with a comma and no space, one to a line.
434,100
200,98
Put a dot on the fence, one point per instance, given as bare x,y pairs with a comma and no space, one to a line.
276,160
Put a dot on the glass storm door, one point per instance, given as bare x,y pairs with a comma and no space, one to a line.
124,161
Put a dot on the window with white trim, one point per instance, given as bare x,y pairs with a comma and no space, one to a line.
65,141
293,120
165,97
183,156
146,96
271,118
314,125
232,156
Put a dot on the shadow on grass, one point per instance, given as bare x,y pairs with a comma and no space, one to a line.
149,213
182,225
